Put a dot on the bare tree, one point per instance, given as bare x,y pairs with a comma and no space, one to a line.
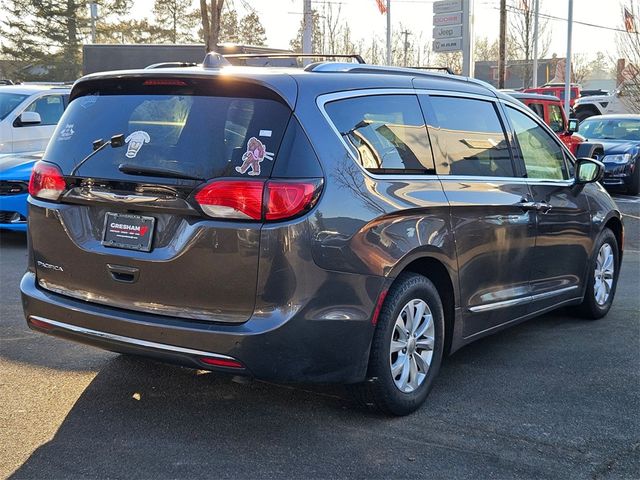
520,31
211,15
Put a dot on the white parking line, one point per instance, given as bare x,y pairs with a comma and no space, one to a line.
625,199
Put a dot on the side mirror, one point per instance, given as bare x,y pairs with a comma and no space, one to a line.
29,118
572,125
588,170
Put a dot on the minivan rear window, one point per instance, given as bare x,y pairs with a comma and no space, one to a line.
196,136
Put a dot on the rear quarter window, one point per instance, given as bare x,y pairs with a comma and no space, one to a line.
386,133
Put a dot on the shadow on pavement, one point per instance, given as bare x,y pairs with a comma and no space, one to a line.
141,419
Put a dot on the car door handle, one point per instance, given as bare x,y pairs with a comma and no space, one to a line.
542,207
527,205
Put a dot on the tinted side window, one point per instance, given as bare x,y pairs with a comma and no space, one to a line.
542,155
538,108
386,132
50,108
467,137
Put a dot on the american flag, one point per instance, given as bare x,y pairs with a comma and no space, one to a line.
381,6
629,21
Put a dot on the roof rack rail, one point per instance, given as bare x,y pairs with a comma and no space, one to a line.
337,67
366,68
437,69
354,56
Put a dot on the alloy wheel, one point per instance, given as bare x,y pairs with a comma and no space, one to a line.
412,343
603,274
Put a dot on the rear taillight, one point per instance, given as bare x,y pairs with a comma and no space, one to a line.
258,199
239,199
288,199
46,181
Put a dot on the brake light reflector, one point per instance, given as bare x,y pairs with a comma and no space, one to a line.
288,199
46,181
221,362
241,199
40,324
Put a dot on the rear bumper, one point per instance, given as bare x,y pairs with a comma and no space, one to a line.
274,346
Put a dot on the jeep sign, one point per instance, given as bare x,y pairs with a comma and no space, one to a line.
452,31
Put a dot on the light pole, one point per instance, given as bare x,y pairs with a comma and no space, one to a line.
536,12
388,32
567,68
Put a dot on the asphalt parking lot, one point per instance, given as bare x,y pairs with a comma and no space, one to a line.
556,397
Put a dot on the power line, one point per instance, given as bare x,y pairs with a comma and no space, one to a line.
553,17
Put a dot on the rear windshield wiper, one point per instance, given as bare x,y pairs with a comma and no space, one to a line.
130,169
98,145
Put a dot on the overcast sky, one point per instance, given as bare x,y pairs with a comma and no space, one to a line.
281,19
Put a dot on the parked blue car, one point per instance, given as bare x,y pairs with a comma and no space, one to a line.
620,136
15,170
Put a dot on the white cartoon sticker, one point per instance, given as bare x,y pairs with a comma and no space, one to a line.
135,141
67,132
89,100
256,152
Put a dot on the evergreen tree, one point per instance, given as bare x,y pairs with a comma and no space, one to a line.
46,33
251,31
175,19
316,35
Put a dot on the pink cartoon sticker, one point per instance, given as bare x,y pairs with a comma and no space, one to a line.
256,153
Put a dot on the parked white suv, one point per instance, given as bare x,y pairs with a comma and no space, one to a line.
617,102
28,116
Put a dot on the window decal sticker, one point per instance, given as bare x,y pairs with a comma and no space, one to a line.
89,100
67,132
265,133
256,153
135,142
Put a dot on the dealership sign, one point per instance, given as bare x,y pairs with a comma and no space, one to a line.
448,25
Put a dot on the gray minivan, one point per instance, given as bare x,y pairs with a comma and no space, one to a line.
338,223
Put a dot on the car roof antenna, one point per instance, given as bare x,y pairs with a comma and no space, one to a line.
215,60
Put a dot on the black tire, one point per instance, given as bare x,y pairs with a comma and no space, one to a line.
380,390
634,188
590,308
586,113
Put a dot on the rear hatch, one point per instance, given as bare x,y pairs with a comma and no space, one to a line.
129,231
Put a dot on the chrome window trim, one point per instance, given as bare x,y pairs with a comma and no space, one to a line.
129,340
322,100
487,307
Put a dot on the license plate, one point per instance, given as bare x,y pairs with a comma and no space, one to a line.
133,232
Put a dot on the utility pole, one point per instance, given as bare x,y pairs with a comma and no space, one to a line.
307,16
388,32
467,38
503,41
406,34
93,11
567,70
536,14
